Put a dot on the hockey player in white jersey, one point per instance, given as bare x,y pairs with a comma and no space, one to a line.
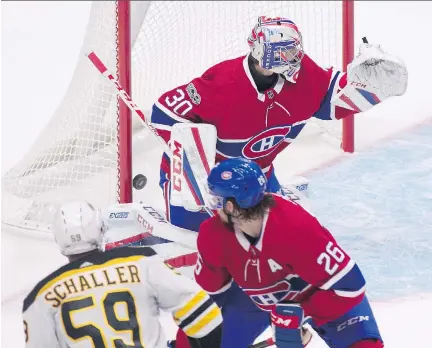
112,298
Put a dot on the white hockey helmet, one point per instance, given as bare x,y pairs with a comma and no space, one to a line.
124,224
77,228
277,45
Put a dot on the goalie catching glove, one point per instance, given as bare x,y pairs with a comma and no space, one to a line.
287,322
373,76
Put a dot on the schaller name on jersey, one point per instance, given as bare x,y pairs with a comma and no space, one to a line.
97,279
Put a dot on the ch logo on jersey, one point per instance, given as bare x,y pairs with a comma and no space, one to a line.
266,142
285,289
266,298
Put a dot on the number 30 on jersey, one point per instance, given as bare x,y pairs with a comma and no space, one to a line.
178,103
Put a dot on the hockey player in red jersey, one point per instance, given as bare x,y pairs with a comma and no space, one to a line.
284,260
260,102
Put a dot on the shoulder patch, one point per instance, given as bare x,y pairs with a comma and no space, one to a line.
193,94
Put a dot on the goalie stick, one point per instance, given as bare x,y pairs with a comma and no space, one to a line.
100,66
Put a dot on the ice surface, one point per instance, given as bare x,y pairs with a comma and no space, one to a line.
378,205
377,201
404,322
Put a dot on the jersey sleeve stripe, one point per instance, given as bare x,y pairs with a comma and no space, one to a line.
222,289
193,303
196,313
164,116
334,87
351,294
342,273
326,111
205,323
351,284
223,154
335,90
199,316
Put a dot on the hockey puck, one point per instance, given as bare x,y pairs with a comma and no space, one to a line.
139,182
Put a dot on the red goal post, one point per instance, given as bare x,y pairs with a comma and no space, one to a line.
92,147
348,55
124,44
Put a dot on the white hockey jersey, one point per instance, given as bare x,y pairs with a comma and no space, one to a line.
113,299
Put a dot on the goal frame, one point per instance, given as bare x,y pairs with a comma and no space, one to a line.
125,78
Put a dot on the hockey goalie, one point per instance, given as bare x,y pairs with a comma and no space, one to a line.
253,107
259,103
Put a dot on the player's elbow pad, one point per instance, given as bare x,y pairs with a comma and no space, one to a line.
199,316
349,282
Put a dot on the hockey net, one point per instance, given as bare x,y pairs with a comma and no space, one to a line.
77,155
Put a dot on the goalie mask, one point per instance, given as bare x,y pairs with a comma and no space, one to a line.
276,43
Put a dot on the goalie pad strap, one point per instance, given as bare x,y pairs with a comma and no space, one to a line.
193,157
201,150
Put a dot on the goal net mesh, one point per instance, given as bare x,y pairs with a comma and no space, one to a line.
76,156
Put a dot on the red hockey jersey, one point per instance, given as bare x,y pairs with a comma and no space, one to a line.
250,124
294,259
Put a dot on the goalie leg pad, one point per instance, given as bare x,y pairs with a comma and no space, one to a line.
193,155
178,215
295,191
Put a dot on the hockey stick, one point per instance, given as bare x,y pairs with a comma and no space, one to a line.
303,297
133,107
264,344
126,98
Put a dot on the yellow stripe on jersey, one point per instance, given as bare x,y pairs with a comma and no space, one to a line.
205,323
195,302
73,272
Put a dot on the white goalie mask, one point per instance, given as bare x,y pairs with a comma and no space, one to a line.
77,228
276,43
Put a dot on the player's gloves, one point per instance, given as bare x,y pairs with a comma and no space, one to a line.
378,71
171,344
287,321
372,77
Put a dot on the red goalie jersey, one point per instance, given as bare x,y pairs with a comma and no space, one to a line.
294,259
250,124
